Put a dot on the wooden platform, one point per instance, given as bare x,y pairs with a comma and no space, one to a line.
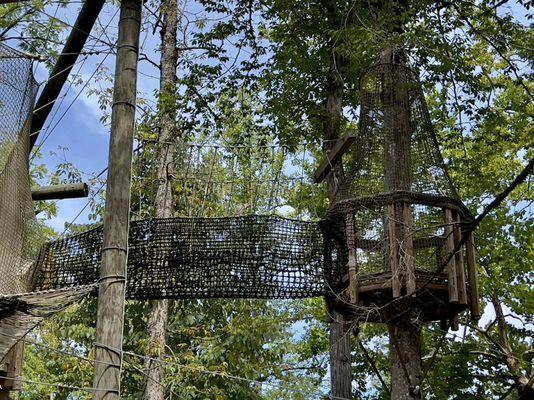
376,302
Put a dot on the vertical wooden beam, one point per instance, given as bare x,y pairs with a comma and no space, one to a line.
459,261
110,315
12,370
393,251
451,266
352,264
473,277
408,250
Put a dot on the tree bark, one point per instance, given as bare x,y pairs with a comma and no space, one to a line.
111,291
523,384
340,350
405,361
154,387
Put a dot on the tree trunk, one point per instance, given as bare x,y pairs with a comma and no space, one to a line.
154,386
405,361
404,336
524,384
340,351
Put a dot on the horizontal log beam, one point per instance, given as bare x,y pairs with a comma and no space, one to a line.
333,157
57,192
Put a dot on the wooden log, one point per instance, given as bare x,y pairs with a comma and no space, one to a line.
451,265
56,192
474,304
333,157
408,247
459,261
352,262
68,57
393,251
111,293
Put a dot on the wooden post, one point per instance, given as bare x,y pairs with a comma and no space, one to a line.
12,370
459,261
408,255
451,266
473,277
393,251
110,315
352,264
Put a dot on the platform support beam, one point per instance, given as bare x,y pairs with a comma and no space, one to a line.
110,314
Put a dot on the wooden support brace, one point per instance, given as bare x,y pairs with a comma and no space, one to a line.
459,261
408,247
333,157
12,369
473,277
451,265
57,192
393,251
352,264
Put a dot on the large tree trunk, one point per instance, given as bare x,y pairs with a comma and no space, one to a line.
404,336
340,351
154,387
405,360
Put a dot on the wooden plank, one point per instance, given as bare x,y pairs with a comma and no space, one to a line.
352,264
333,157
56,192
451,265
460,269
393,251
473,277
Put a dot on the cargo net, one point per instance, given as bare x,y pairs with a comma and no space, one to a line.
396,149
396,200
18,230
262,257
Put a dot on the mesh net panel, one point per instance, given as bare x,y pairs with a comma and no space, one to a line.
178,258
396,148
18,235
396,186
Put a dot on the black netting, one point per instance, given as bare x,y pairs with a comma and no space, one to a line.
178,258
396,149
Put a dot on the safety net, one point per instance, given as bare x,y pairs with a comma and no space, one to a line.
18,233
263,257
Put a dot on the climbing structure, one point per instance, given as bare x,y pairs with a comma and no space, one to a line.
396,221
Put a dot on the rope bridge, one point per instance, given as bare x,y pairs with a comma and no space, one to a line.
261,257
251,256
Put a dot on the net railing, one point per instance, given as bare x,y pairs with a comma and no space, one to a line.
262,257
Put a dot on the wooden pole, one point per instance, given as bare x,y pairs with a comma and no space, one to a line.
110,314
352,264
459,261
473,277
59,74
452,279
57,192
